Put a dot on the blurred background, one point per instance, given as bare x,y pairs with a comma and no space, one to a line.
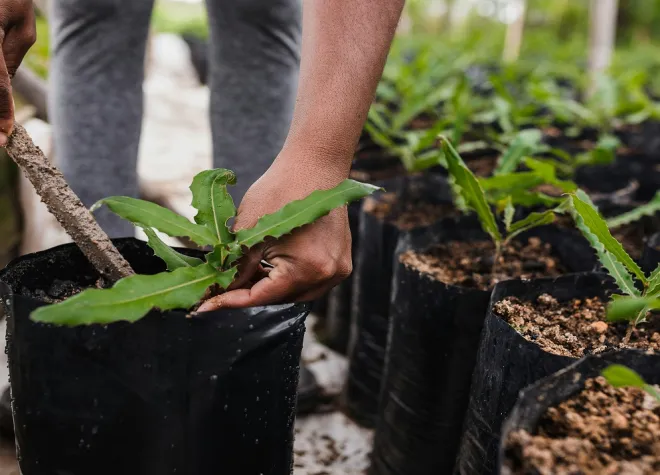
532,39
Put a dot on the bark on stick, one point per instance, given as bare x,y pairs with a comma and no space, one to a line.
63,203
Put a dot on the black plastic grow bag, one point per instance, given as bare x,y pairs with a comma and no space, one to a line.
336,329
372,278
537,398
507,363
433,342
167,394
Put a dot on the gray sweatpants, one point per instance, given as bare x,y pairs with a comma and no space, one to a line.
96,103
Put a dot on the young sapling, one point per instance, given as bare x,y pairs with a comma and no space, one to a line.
188,278
469,194
639,292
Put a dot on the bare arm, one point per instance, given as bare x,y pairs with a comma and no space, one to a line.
345,45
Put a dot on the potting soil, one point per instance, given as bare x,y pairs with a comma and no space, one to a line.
575,328
600,430
574,422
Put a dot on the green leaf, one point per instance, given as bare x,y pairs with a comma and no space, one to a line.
629,308
150,215
648,209
524,143
654,282
302,212
133,297
532,220
511,181
470,190
593,226
172,258
509,210
213,202
621,376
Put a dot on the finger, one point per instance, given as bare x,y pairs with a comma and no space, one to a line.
18,40
277,287
248,267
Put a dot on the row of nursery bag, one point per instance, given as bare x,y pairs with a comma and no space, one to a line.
433,294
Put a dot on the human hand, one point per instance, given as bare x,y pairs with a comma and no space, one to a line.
17,34
306,263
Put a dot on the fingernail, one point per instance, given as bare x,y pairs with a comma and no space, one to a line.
3,139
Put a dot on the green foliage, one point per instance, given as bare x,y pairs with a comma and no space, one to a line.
525,143
189,278
133,297
595,229
621,376
648,209
471,192
634,304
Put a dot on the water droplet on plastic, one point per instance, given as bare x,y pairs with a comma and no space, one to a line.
214,377
257,398
251,327
95,430
226,407
256,441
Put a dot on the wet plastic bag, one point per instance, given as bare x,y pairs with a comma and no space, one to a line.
167,394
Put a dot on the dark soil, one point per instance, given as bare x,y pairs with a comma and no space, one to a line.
575,328
60,290
409,215
600,431
482,166
470,264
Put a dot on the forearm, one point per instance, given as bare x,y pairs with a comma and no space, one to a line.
345,45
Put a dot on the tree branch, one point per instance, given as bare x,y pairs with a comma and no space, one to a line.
63,203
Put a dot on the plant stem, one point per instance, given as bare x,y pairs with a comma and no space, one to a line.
629,331
496,259
63,203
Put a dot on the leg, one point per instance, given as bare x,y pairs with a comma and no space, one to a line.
254,68
97,71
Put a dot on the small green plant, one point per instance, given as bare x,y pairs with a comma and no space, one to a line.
189,278
639,291
621,376
470,195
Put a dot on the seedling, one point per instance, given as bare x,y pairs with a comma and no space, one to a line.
469,194
640,292
621,376
188,278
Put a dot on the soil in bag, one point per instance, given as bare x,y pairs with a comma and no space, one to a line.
166,394
441,290
576,422
533,329
414,202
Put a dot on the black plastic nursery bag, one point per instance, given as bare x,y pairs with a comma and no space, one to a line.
536,399
168,394
507,363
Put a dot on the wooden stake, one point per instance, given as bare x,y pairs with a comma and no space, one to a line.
514,36
63,203
602,33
